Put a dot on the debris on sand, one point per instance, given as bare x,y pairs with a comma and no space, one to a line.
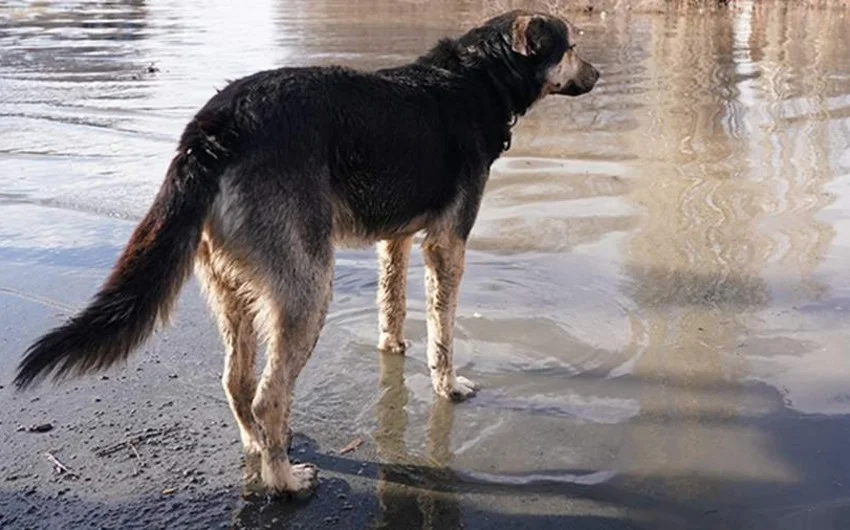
132,440
43,427
352,445
59,467
138,459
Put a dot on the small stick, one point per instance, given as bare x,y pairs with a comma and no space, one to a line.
352,445
117,446
138,458
58,466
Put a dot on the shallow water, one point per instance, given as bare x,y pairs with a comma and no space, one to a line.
656,298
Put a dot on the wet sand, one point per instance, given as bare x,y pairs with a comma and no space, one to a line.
656,298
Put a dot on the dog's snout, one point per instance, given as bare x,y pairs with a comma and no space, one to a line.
587,76
583,82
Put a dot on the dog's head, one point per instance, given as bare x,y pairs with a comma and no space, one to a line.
544,46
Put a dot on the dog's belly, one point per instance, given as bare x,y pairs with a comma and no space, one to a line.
389,196
351,232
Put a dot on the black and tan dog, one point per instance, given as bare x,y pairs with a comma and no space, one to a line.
280,167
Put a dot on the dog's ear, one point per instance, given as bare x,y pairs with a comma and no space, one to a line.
530,34
519,35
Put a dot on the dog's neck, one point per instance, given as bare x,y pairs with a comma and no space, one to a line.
495,72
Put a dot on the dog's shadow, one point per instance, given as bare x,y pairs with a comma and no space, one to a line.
410,492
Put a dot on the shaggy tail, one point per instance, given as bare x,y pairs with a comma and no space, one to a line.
145,281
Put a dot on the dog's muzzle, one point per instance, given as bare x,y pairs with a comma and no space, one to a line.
583,82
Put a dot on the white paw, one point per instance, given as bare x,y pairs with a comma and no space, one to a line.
304,479
281,478
462,388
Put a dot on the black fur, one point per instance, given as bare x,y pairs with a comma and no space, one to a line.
390,145
155,263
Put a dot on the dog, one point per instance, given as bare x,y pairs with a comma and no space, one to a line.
279,168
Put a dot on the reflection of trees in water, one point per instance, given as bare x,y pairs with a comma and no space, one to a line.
725,172
798,55
77,37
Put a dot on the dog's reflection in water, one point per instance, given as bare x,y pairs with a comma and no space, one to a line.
413,491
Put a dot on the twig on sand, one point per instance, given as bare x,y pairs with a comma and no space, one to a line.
58,466
133,440
138,459
352,445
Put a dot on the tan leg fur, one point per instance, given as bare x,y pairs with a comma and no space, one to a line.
292,330
444,253
232,306
393,260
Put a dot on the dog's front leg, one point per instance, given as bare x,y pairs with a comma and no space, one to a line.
443,254
393,259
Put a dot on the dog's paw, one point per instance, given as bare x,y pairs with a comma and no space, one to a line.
304,479
463,388
389,344
280,478
459,389
252,482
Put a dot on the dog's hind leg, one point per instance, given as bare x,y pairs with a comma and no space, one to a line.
443,253
231,303
294,315
393,259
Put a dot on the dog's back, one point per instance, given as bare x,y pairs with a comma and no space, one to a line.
388,149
